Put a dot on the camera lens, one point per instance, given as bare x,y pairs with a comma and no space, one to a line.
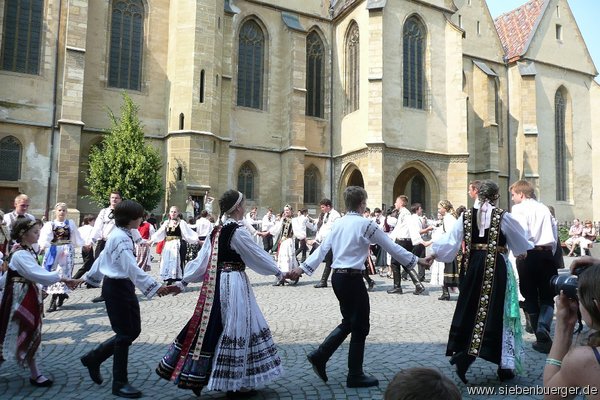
566,283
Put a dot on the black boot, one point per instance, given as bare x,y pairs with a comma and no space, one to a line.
370,282
96,357
356,376
98,299
397,286
323,353
543,341
121,386
61,299
445,293
505,374
419,288
323,282
52,307
462,361
404,275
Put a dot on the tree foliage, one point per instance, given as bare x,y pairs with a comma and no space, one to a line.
125,162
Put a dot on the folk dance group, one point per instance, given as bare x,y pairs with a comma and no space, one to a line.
227,344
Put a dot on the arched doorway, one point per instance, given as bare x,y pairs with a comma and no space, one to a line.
412,183
351,176
356,179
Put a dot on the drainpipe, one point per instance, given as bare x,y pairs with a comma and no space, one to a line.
331,165
508,131
54,107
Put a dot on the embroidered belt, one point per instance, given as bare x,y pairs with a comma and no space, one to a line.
61,242
169,238
19,279
483,246
231,266
541,248
349,271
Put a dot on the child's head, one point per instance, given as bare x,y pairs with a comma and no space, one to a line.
127,211
421,383
26,231
355,198
589,299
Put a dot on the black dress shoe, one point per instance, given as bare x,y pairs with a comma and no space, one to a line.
445,297
46,383
419,289
318,366
98,299
362,380
505,374
126,390
396,290
93,368
321,285
371,286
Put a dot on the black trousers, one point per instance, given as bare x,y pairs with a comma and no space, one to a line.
123,310
88,261
354,305
268,242
301,247
535,272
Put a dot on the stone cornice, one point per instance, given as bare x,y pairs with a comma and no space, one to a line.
425,156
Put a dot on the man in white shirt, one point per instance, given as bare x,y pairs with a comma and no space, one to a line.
329,217
349,241
203,227
299,224
402,236
268,222
540,265
21,206
103,226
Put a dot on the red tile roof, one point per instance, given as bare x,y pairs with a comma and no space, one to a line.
517,27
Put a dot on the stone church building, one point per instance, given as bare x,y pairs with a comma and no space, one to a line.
292,101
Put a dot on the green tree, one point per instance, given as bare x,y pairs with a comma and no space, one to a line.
125,162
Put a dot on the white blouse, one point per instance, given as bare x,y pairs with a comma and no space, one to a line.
117,261
26,265
446,247
254,256
187,233
47,233
349,241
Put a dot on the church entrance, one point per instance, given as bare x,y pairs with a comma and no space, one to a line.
412,183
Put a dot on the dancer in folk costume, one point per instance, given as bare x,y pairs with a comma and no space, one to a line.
283,231
486,322
449,218
227,344
58,238
173,230
21,306
142,248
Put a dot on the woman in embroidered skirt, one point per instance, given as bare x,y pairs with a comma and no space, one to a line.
173,230
286,248
486,321
21,307
58,238
227,344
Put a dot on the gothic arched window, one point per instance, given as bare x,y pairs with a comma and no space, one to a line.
312,185
246,181
10,154
560,107
352,85
413,43
251,55
315,52
126,44
22,36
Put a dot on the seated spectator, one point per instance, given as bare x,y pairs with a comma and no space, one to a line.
421,384
588,236
578,366
574,235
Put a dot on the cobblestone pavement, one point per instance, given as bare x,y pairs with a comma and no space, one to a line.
406,331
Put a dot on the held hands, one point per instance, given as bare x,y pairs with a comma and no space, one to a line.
163,291
426,262
294,274
521,257
72,283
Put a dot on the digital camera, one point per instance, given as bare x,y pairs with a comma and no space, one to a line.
567,283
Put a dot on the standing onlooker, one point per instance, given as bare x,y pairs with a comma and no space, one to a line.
21,206
87,250
540,265
189,208
208,203
103,225
58,238
329,217
116,268
588,236
486,321
300,224
173,231
268,222
21,308
575,232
